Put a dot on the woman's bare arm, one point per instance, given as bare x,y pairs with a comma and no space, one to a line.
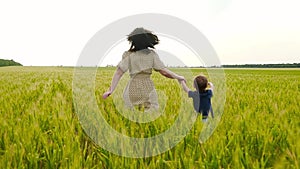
169,74
117,76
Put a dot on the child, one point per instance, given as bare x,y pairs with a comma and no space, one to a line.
202,96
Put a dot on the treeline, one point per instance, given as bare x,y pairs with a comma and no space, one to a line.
11,62
281,65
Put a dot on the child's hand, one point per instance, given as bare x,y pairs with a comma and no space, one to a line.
211,85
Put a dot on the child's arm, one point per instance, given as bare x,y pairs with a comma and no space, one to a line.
184,86
211,86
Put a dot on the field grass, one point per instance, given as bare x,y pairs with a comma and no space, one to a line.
260,126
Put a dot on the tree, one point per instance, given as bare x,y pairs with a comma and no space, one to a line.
11,62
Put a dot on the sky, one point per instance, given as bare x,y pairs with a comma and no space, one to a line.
52,33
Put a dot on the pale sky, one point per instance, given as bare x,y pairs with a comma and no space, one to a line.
51,33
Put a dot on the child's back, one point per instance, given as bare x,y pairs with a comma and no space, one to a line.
202,96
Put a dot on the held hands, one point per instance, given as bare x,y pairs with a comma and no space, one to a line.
181,79
182,82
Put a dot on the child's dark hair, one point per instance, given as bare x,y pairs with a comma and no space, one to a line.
141,38
200,83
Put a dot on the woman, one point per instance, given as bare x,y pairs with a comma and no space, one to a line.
140,60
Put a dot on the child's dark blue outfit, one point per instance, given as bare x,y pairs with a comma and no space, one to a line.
202,101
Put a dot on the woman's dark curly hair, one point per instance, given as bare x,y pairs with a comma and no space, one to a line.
141,38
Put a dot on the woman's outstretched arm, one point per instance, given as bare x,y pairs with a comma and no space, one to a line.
169,74
117,76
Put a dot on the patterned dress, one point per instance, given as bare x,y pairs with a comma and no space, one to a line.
140,89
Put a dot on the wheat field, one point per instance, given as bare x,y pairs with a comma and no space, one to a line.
259,126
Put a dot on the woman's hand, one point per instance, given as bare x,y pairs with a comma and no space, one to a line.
117,76
181,78
106,94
